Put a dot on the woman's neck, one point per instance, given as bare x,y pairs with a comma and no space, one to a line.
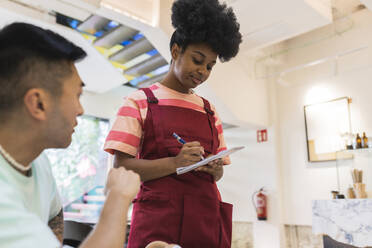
173,83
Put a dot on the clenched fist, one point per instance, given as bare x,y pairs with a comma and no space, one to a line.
125,182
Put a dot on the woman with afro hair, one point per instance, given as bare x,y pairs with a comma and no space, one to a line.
183,209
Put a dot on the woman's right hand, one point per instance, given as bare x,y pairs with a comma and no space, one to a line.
190,153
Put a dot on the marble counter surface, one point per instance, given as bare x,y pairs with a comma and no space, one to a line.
345,220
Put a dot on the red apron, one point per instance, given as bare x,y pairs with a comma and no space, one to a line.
181,209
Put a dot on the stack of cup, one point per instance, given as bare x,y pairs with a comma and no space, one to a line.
359,186
360,190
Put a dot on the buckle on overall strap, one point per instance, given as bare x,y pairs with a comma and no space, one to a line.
152,100
209,111
150,96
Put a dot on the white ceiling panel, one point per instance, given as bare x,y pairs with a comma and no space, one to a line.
264,22
367,3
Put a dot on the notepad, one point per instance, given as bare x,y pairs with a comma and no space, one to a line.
182,170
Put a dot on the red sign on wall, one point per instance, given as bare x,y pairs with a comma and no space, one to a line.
261,135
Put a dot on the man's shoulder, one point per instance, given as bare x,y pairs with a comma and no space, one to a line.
10,195
42,166
7,176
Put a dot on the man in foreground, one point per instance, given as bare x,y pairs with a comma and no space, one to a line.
39,103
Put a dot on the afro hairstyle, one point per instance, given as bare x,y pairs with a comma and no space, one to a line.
206,21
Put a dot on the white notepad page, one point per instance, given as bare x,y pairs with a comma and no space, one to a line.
182,170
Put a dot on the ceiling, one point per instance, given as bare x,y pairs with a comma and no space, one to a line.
263,22
134,52
126,48
108,26
367,3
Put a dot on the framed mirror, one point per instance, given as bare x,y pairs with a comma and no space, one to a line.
326,123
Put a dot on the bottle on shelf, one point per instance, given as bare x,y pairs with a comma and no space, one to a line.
358,141
348,137
365,140
354,142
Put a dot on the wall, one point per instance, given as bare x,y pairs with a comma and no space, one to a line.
281,164
104,105
252,168
245,99
350,76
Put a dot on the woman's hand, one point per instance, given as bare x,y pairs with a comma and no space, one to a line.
161,244
190,153
215,168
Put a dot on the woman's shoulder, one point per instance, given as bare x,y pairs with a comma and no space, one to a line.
213,108
140,94
136,95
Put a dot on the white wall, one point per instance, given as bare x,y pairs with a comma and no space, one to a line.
104,105
252,168
304,181
281,164
245,99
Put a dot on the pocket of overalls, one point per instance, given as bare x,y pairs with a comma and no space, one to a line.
200,222
154,219
225,224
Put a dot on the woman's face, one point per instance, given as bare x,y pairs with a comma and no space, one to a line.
193,66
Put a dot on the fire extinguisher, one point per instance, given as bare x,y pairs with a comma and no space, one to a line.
260,203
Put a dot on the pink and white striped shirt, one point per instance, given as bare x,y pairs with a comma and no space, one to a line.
127,131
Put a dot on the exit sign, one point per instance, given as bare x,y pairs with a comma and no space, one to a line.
261,135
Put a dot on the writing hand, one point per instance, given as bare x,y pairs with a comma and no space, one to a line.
190,153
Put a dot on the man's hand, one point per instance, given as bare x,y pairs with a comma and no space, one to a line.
125,182
161,244
190,153
215,168
121,187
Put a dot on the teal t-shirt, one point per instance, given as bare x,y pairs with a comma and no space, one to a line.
27,204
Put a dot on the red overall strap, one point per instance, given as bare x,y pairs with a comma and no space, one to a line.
156,114
211,120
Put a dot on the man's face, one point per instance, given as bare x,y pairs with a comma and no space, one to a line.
66,109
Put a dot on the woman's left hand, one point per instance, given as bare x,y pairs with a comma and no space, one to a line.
215,168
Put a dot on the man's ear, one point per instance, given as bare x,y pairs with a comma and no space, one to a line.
175,51
36,102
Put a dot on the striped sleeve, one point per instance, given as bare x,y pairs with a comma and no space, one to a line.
222,146
126,132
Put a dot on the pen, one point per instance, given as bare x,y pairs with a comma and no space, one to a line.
179,139
182,141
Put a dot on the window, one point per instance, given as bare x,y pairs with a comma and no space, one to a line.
83,165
